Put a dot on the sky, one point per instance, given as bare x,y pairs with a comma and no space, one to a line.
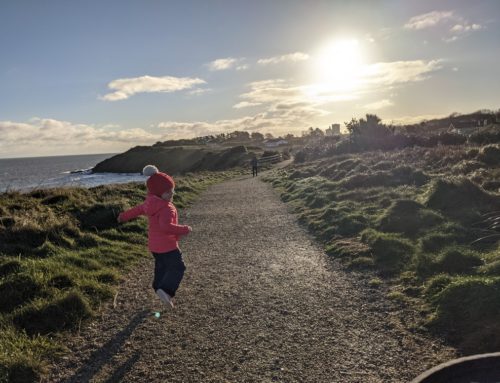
103,76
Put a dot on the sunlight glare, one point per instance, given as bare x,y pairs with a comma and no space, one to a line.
338,66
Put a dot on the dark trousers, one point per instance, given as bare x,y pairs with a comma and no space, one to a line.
254,171
169,270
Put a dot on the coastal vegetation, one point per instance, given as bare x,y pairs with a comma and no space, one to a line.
62,255
416,210
421,212
181,159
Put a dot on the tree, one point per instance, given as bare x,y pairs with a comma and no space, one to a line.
371,127
268,136
370,133
257,136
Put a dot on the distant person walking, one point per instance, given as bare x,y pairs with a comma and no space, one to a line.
163,232
255,166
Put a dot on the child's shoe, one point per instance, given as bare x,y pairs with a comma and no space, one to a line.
165,298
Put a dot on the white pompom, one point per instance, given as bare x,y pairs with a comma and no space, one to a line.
149,170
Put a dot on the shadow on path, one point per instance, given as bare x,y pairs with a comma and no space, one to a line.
102,356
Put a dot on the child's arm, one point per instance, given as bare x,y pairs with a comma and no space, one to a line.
168,227
129,214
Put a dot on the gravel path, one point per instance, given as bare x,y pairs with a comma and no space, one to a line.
260,302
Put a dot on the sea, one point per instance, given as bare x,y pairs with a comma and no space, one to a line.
26,174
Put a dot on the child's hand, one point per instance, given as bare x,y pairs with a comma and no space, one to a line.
190,229
119,218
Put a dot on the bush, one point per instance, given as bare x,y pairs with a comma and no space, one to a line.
361,263
454,261
433,242
351,225
490,136
348,247
448,138
490,155
100,216
436,284
460,199
9,266
391,252
408,217
468,306
63,314
492,268
18,290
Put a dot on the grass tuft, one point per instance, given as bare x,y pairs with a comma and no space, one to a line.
391,251
65,313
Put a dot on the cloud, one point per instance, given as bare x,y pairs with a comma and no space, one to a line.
242,67
428,20
293,57
272,91
245,104
45,136
399,72
379,104
287,108
199,91
459,28
276,121
127,87
227,63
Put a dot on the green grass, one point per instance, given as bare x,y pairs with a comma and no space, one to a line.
407,216
62,254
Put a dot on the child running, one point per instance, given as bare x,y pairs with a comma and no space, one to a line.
163,232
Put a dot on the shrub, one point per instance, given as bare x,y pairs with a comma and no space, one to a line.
348,247
465,167
391,252
468,306
460,199
9,266
406,175
100,216
61,281
490,155
454,261
492,268
436,241
351,225
436,284
63,314
18,290
490,136
408,217
361,263
447,138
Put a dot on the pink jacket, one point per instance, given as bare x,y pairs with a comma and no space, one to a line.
163,232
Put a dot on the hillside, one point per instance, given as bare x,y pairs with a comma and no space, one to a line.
260,302
425,220
176,160
62,255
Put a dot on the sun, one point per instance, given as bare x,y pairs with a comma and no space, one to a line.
338,65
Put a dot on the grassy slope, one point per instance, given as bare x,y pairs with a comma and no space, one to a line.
177,160
61,255
412,216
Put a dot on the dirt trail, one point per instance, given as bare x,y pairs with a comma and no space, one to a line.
260,302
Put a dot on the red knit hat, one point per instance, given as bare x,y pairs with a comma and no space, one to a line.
158,182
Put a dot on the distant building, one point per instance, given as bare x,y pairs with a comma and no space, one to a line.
333,130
